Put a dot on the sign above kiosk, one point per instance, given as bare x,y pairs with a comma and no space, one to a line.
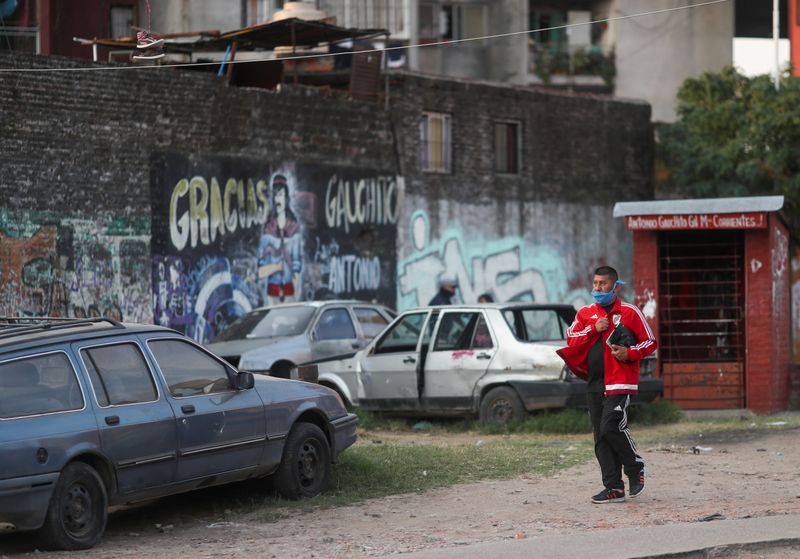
749,212
749,220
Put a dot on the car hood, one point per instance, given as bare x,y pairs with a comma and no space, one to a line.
276,390
238,347
295,349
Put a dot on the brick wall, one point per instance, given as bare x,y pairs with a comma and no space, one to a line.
92,154
78,152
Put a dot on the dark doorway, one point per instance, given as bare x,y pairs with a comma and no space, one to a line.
701,318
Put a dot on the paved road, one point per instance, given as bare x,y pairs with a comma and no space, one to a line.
751,537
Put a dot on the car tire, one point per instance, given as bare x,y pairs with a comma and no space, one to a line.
78,511
501,405
306,464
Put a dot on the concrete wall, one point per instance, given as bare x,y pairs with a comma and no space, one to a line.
536,235
502,59
181,16
655,54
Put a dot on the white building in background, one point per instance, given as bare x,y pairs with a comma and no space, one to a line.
645,57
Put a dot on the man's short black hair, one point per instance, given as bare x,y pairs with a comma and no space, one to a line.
607,271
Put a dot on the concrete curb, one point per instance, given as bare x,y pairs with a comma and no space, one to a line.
694,540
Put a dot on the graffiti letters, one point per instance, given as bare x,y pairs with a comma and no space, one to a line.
506,267
354,273
198,212
363,201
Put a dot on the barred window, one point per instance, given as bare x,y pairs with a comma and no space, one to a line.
506,147
435,142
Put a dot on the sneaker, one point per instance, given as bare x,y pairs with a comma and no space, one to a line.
150,54
637,484
145,40
609,496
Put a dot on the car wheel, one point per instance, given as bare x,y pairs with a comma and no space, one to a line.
501,405
76,517
306,464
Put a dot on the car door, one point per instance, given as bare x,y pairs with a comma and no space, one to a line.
370,321
334,334
136,423
461,352
388,375
220,429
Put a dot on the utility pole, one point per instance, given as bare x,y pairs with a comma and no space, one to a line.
776,41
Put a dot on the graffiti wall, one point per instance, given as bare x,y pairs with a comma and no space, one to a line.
232,234
523,252
72,267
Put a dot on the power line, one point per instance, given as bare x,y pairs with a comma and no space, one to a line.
368,51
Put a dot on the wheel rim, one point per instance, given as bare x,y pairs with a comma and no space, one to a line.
78,510
309,461
502,411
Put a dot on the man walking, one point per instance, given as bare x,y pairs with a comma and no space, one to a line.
447,290
604,346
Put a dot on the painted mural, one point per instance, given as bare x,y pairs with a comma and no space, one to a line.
233,234
70,267
507,267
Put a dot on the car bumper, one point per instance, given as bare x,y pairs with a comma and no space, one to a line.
560,394
542,395
344,433
24,501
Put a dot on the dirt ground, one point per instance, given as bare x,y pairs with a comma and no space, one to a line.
734,475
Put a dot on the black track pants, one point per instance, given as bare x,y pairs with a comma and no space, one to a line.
613,444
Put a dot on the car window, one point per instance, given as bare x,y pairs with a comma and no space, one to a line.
335,324
269,323
481,338
539,324
403,335
43,384
371,321
455,331
119,375
188,370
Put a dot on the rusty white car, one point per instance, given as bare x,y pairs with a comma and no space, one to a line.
494,361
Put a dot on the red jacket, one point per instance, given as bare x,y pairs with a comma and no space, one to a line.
621,377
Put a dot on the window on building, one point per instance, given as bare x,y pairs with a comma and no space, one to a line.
121,21
448,22
506,147
435,142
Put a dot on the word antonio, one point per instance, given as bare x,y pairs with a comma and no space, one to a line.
199,211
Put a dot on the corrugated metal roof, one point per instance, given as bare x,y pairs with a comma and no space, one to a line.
267,36
700,206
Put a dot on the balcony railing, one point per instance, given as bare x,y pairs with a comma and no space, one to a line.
566,65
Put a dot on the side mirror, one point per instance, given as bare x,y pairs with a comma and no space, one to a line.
245,381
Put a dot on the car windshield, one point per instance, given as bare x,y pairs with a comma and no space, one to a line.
269,323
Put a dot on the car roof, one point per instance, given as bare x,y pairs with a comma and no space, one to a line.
521,305
318,304
22,332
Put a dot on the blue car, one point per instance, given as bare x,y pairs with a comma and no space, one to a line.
96,413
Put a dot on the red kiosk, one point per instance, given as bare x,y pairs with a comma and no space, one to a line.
712,278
